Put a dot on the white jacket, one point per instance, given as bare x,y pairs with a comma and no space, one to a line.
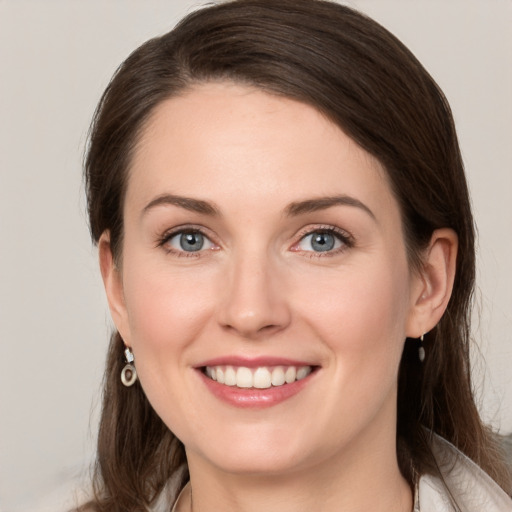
464,483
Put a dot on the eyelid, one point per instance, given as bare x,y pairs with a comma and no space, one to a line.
344,236
163,239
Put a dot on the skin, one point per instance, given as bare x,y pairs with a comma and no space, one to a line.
258,288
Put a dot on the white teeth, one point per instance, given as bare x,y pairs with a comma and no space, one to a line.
303,372
262,377
243,378
230,376
278,376
290,375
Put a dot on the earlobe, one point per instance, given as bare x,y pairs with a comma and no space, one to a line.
435,283
112,281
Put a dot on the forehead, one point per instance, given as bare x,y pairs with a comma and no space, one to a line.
243,140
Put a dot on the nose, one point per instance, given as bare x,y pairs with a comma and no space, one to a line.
254,301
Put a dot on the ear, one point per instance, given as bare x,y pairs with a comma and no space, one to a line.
113,283
434,283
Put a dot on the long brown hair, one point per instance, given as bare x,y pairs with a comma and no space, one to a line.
363,79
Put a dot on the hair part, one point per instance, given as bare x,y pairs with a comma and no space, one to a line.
369,84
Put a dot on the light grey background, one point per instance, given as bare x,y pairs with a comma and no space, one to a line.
56,57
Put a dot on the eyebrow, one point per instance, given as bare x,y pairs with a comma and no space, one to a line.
322,203
188,203
292,210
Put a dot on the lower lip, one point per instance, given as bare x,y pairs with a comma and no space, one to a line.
253,397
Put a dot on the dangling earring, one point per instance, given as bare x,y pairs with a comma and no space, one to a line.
129,373
421,350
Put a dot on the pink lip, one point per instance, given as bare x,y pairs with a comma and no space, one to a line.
252,362
252,397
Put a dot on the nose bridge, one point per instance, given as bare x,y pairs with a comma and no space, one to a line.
254,302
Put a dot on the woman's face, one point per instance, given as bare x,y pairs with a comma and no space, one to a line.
264,248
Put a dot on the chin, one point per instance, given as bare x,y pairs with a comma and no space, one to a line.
260,452
265,465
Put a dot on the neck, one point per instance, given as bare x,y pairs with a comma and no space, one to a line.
364,477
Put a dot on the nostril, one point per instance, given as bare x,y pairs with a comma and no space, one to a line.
252,331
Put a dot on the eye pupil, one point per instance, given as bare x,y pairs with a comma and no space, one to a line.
191,241
322,242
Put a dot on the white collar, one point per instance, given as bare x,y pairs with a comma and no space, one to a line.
461,481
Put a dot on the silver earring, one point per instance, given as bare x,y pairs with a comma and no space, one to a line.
129,373
421,350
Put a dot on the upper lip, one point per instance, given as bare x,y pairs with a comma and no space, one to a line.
253,362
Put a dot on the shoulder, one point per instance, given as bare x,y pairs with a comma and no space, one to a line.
460,481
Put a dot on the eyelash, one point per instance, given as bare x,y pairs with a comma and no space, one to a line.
169,235
346,239
342,236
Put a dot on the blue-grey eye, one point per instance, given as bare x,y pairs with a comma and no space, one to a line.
320,241
190,241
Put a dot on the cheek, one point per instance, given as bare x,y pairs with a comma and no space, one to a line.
167,311
165,308
361,314
360,318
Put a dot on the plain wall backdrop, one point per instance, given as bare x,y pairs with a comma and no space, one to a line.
56,57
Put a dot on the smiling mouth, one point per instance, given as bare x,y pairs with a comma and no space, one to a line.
262,377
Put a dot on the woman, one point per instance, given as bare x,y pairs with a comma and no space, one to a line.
287,247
